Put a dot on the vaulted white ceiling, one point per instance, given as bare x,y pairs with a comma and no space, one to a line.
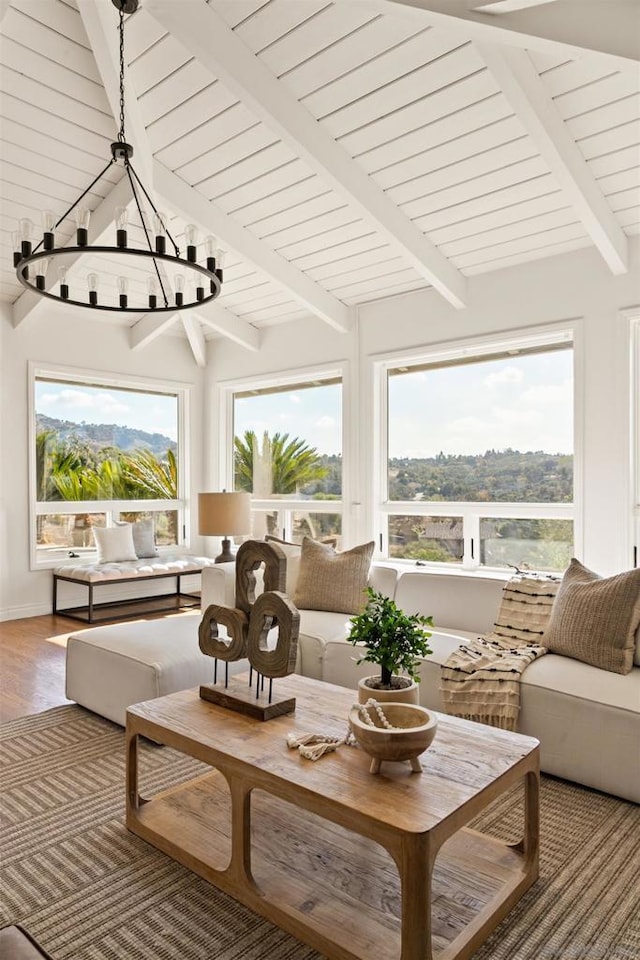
342,151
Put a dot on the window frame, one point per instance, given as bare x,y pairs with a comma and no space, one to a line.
471,513
285,379
57,556
632,317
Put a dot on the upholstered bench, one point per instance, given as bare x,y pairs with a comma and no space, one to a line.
92,575
111,667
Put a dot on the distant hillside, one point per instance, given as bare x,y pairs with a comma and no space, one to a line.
99,435
532,476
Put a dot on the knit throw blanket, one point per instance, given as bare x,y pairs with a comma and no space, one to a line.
481,680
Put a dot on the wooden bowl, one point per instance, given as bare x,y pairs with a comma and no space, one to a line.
414,730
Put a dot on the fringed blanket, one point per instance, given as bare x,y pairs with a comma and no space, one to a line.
481,680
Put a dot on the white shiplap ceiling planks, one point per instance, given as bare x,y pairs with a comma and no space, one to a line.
341,151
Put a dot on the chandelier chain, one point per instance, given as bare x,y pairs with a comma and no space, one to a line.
121,136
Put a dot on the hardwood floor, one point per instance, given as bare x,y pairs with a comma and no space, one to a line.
32,663
32,659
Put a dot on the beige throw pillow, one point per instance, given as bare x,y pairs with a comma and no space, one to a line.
595,619
333,581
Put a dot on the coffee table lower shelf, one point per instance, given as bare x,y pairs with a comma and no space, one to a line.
333,888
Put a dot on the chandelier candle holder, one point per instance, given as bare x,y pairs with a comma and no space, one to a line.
32,263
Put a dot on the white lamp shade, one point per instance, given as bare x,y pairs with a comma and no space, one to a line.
224,514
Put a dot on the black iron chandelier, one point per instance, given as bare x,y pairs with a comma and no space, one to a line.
33,263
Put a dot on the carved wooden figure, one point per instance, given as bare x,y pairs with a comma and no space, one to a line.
248,626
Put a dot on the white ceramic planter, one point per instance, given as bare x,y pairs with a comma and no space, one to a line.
407,694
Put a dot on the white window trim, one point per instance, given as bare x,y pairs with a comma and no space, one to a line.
226,390
631,318
107,380
570,332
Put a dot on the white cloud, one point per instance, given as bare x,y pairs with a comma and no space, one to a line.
549,397
325,423
67,398
506,375
294,398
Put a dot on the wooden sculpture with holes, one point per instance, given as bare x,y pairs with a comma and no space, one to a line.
247,627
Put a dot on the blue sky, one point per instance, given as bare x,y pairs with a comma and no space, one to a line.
524,402
314,413
154,413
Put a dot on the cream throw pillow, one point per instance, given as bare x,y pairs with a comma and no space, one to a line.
114,544
333,581
293,553
595,619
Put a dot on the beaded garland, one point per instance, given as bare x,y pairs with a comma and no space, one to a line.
365,715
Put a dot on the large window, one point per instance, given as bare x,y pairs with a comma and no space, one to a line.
479,456
634,319
287,452
103,453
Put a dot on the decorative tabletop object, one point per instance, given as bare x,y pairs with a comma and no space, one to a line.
395,641
393,731
247,627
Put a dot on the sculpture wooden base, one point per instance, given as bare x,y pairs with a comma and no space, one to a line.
240,697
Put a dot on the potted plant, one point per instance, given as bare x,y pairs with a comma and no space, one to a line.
395,641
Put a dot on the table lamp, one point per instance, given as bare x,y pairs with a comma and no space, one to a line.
224,515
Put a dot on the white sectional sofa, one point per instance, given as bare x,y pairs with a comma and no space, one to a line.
587,719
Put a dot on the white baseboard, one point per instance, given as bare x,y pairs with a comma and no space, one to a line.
26,610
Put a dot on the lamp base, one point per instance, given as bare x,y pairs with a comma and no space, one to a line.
226,556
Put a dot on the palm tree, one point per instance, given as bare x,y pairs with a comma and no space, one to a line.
153,479
290,464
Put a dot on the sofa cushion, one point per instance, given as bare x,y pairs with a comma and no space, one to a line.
458,603
333,581
114,544
576,679
595,619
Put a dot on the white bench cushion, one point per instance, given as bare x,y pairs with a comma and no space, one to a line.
155,566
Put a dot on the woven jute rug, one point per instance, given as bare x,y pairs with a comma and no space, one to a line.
87,889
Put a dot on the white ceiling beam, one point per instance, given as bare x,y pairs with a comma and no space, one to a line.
150,327
30,304
527,95
195,337
221,321
4,6
567,28
507,6
195,208
206,35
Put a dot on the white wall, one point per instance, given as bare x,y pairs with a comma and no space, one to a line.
575,285
69,339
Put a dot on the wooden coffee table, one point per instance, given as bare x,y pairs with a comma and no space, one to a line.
355,865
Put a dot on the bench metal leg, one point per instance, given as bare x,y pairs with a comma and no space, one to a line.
90,603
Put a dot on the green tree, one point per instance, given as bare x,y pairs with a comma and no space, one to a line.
290,464
148,477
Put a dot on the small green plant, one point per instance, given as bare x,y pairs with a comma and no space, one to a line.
393,639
